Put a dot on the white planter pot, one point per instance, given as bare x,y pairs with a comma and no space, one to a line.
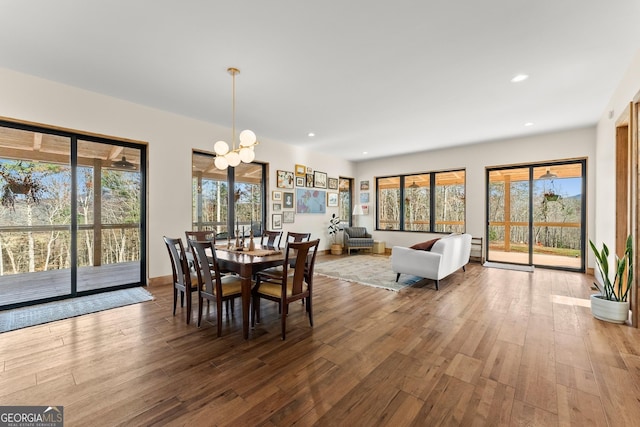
609,311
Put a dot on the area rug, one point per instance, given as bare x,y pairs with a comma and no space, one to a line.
370,270
43,313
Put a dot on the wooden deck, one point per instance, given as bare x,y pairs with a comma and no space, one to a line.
538,259
18,288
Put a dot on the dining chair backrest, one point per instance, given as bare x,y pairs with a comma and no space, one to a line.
204,253
179,265
200,236
298,237
305,257
271,239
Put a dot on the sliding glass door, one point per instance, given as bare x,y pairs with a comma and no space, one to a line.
72,214
35,216
536,215
109,197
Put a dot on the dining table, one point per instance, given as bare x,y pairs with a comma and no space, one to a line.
246,263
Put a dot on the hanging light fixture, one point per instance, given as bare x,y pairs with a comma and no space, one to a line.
414,185
548,175
124,164
232,156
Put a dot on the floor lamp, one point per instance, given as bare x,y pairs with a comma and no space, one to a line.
357,211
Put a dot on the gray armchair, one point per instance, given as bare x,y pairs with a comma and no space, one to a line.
357,238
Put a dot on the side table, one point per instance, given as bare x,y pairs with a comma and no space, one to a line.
378,247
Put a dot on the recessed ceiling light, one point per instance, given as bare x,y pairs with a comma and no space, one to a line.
519,78
311,134
365,153
528,124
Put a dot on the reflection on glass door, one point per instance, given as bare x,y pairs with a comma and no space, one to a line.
109,205
536,215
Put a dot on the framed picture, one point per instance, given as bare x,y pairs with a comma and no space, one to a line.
310,201
309,182
288,217
320,179
364,185
364,197
301,181
332,199
284,179
276,195
365,209
288,200
332,183
277,207
309,170
276,221
301,170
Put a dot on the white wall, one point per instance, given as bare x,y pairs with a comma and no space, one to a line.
171,139
577,143
627,90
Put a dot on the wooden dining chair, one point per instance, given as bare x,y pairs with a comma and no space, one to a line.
201,235
298,237
183,280
287,288
271,239
215,287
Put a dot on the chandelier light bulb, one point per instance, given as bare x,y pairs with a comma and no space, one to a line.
247,138
247,155
221,162
221,148
233,158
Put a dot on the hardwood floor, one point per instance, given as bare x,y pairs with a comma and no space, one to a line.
492,347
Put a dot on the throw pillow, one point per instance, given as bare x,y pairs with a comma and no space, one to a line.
425,246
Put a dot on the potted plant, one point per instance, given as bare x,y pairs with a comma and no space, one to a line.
19,181
612,303
551,196
334,228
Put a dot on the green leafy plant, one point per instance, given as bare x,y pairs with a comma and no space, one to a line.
618,288
334,228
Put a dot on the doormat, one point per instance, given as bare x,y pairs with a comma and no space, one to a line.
23,317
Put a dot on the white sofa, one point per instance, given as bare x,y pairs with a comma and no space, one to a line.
447,255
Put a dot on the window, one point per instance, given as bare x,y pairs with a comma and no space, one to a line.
215,207
449,202
345,204
417,193
426,202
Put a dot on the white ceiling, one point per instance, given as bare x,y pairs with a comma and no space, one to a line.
386,77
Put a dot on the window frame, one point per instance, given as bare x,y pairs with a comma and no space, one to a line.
403,179
231,206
